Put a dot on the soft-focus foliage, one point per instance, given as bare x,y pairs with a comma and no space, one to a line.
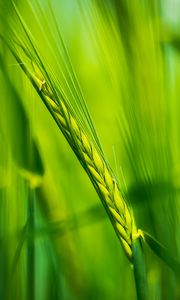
55,239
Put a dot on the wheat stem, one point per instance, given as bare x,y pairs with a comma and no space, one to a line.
139,270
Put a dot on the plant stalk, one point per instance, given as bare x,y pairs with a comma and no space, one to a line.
31,249
139,270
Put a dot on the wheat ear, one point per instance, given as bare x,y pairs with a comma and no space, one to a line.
96,167
90,157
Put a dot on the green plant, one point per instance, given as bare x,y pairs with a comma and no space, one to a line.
51,73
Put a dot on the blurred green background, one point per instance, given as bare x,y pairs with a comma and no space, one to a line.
56,241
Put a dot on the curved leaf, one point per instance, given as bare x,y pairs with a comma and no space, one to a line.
162,252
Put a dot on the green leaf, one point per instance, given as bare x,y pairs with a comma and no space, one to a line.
23,148
162,252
